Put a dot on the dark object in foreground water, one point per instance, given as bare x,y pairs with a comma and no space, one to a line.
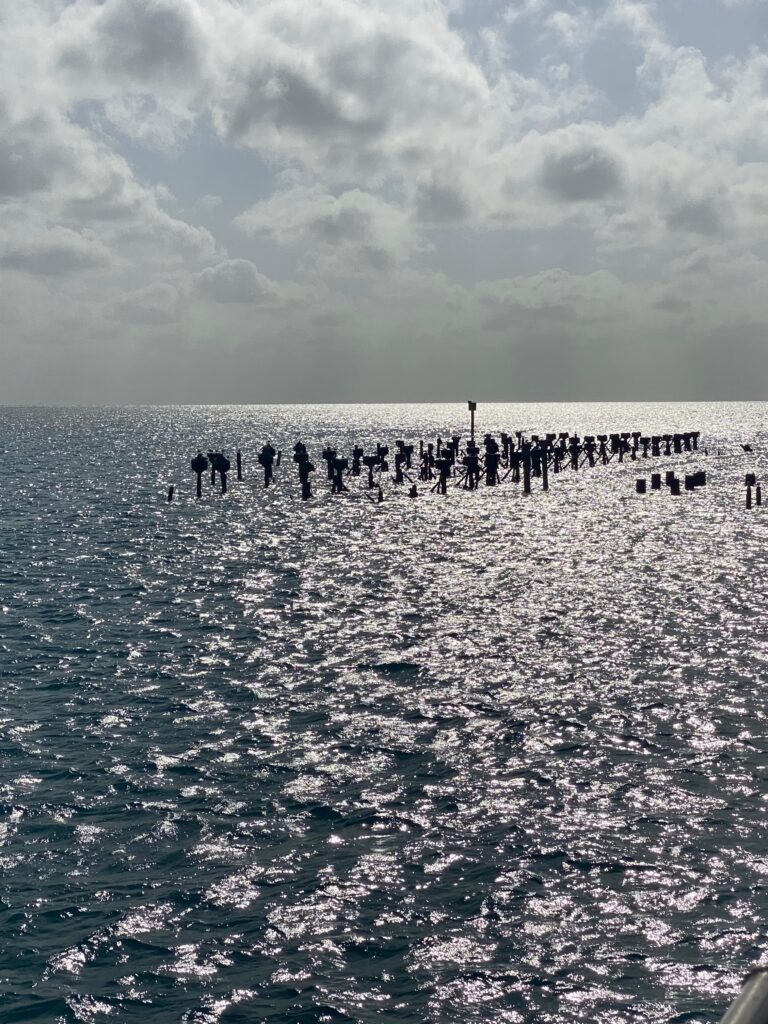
239,461
751,1005
171,490
640,486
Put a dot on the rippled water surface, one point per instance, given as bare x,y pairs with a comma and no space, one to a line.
474,758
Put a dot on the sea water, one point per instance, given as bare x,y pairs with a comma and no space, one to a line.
473,758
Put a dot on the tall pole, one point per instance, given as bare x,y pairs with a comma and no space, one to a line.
472,407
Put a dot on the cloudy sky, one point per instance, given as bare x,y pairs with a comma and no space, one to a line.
382,200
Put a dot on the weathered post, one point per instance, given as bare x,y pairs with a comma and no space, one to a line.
640,486
603,438
575,448
370,461
339,467
329,454
222,466
171,490
589,448
526,468
544,458
382,451
492,459
749,495
443,466
758,495
305,468
266,460
655,481
199,465
472,407
239,461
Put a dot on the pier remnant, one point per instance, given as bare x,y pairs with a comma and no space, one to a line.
266,460
221,466
199,465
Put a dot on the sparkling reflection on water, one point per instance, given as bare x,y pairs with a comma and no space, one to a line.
474,758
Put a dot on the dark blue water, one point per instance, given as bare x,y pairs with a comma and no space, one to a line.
477,758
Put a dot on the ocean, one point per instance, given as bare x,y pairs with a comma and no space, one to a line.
472,758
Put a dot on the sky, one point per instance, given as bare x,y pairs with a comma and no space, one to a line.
395,200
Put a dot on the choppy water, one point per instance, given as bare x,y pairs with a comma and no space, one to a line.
467,759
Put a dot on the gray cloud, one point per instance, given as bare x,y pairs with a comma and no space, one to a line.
584,173
29,157
145,41
700,216
154,305
441,203
56,252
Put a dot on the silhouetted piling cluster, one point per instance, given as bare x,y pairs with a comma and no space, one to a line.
691,481
467,465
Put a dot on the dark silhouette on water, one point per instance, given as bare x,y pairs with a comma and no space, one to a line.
370,462
524,458
301,458
339,466
199,465
220,464
266,459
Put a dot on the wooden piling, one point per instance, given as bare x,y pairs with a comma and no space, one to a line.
526,468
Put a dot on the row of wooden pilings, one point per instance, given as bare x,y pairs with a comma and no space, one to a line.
513,455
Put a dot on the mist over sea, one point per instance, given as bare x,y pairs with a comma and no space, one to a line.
473,758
